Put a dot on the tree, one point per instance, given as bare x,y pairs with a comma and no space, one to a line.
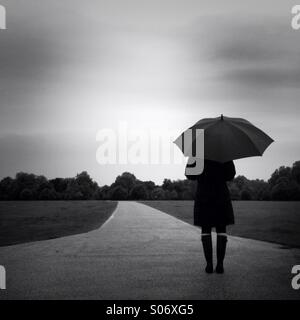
150,186
282,172
294,191
48,194
60,184
8,190
126,180
138,192
87,186
97,195
158,194
279,191
240,182
171,195
104,193
246,194
234,190
26,180
73,191
284,184
167,185
118,193
26,194
296,171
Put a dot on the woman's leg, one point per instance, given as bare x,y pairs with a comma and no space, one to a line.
221,247
207,248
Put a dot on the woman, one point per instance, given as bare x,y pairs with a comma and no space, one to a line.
213,208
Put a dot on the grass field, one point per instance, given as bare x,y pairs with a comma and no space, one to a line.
262,220
25,221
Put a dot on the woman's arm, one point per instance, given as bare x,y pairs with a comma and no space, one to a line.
229,170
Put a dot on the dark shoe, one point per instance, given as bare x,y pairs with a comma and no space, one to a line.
209,268
220,268
207,248
221,250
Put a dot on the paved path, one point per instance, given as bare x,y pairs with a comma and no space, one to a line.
143,253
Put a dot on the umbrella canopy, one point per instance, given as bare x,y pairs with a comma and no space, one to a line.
227,139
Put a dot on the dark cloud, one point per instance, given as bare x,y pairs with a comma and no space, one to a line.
263,77
242,58
22,58
52,155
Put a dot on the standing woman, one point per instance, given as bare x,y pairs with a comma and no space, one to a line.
213,208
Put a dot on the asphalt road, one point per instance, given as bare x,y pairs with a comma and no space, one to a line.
143,253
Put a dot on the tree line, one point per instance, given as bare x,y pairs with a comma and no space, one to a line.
284,184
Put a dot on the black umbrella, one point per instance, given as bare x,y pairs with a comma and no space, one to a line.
227,139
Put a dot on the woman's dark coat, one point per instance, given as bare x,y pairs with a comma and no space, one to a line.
212,201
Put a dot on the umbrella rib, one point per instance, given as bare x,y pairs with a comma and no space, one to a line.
245,134
205,126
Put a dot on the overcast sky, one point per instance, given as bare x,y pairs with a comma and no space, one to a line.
70,68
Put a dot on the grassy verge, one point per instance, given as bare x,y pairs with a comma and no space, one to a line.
25,221
277,222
